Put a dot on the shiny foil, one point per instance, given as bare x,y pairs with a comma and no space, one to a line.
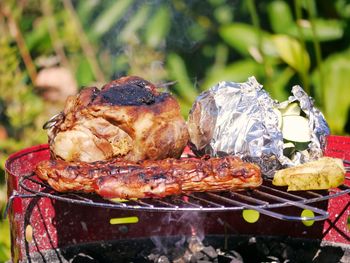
240,119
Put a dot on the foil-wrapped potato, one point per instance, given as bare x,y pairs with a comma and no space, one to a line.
242,119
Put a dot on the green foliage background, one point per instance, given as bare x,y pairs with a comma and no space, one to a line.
194,43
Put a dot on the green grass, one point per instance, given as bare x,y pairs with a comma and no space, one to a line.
5,243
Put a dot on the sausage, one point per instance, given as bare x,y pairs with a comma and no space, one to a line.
150,178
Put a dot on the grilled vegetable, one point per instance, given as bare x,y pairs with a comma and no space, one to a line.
296,129
324,173
293,109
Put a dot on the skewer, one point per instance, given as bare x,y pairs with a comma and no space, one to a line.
52,121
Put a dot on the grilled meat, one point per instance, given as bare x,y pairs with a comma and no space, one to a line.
123,179
128,118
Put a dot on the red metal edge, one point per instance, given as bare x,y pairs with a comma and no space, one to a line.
17,212
336,228
22,152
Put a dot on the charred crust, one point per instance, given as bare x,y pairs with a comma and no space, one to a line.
94,94
127,95
143,177
129,91
160,176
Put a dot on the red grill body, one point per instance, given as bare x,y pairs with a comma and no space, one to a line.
39,224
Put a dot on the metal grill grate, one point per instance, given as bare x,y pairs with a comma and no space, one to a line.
267,200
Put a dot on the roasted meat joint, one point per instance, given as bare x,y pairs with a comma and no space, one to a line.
128,118
125,140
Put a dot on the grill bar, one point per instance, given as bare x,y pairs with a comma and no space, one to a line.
280,192
264,200
206,201
250,199
322,214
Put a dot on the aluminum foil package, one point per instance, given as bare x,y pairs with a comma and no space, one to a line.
242,119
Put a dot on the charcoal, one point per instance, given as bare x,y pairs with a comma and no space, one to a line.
230,257
237,250
82,258
193,259
198,255
210,252
287,253
206,258
163,259
235,255
263,249
252,240
278,249
272,259
252,252
153,257
189,257
137,260
195,244
179,260
224,259
176,252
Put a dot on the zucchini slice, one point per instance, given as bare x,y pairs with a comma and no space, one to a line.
293,109
296,129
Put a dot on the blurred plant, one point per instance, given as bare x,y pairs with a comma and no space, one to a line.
19,111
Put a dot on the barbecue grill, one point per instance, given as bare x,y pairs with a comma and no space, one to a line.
59,227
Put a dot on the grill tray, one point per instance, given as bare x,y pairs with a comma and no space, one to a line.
267,200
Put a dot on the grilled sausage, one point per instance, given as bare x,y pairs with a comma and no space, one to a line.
124,179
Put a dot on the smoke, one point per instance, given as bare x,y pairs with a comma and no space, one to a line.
135,42
135,22
179,228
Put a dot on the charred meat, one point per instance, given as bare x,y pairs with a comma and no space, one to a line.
128,118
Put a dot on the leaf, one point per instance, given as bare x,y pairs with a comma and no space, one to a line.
85,9
279,84
280,15
239,71
185,107
135,23
292,53
326,30
244,38
343,8
158,27
335,99
178,72
38,39
84,74
282,22
109,17
223,14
